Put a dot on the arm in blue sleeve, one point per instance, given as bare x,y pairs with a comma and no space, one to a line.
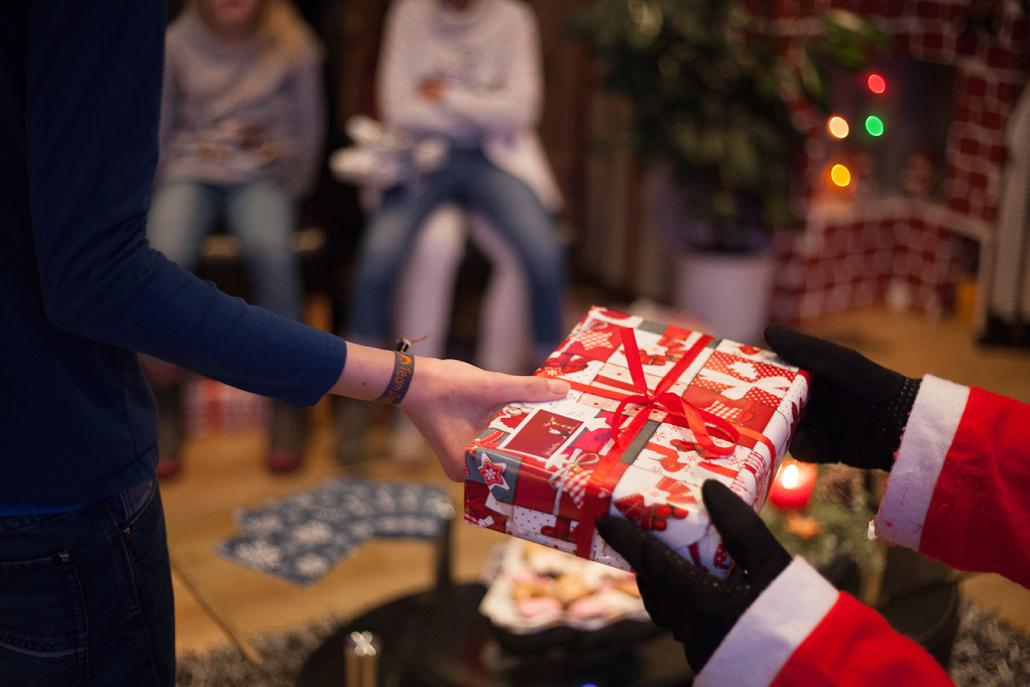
93,93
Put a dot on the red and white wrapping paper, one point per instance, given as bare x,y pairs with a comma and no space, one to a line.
693,407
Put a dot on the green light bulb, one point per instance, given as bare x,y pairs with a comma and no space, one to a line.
874,125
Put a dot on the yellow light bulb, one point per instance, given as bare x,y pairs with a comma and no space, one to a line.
840,175
838,126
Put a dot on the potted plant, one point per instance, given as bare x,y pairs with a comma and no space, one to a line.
710,88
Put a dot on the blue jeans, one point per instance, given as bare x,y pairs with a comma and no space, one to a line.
470,180
260,214
86,596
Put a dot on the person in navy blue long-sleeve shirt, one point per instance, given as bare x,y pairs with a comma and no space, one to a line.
85,596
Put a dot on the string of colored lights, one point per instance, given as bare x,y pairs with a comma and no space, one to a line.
839,128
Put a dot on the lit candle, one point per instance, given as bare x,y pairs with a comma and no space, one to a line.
793,485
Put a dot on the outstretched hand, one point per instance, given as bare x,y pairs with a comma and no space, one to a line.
857,410
699,609
451,402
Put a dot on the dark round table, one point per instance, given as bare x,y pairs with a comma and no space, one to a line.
439,639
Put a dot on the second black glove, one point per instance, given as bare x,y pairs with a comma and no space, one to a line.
698,608
857,410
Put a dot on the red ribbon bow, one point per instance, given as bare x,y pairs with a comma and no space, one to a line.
678,408
704,424
607,474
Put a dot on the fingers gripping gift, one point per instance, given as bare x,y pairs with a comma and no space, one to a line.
654,411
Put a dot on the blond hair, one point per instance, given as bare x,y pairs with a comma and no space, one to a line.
279,30
284,32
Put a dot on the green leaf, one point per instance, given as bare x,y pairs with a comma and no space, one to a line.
709,88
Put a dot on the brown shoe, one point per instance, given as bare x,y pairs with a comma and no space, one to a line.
281,460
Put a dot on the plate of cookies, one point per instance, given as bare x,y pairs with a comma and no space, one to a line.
537,588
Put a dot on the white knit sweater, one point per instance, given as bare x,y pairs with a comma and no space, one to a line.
488,58
233,114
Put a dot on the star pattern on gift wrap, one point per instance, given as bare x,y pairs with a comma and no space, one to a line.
592,424
493,473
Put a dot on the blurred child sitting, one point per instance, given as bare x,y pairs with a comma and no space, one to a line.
468,73
242,124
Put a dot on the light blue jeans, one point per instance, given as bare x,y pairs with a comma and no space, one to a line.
260,214
470,180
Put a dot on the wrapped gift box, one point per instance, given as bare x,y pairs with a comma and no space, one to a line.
654,411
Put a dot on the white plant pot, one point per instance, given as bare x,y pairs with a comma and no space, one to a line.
727,292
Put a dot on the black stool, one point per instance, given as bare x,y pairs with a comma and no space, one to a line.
920,599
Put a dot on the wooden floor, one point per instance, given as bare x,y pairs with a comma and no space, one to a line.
218,602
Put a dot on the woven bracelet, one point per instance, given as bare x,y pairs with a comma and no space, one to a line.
400,380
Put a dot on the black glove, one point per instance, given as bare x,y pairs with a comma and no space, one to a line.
698,608
857,410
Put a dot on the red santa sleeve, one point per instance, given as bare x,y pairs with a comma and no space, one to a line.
959,490
802,631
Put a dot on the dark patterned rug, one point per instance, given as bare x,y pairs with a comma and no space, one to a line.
988,652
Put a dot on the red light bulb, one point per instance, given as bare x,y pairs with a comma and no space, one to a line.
876,83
